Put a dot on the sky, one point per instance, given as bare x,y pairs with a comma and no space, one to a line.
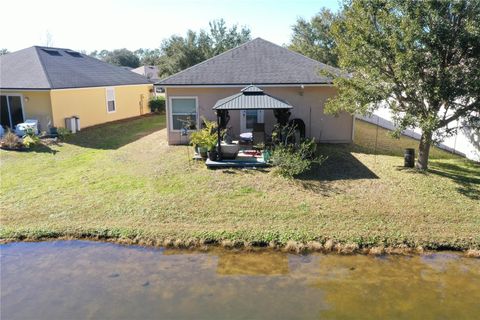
109,24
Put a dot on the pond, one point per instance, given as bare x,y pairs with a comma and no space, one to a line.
95,280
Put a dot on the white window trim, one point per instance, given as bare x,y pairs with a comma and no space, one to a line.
114,99
170,114
8,105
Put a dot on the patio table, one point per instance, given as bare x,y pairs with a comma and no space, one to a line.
246,137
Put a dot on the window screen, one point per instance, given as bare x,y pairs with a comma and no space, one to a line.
111,107
184,113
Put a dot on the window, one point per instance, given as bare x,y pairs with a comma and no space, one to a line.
111,107
252,118
74,54
11,110
183,113
52,52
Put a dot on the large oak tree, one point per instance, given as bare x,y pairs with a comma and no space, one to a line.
421,58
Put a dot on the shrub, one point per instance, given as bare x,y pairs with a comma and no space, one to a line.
206,137
30,139
63,133
11,141
288,163
292,160
157,104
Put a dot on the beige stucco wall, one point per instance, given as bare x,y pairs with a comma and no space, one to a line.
36,105
308,105
89,104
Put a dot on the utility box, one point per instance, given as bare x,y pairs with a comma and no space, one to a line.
409,158
77,123
71,124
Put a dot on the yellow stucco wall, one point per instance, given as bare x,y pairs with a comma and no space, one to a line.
36,105
89,104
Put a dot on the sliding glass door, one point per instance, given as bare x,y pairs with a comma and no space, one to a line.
11,111
248,118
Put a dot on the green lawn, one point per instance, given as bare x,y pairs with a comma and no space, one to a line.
123,181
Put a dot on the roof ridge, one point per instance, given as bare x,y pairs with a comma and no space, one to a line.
205,61
51,48
302,55
43,66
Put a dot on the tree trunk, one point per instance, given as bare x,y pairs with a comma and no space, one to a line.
424,150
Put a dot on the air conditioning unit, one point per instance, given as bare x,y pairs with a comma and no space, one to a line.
72,124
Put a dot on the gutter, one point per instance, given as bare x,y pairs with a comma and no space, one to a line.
243,85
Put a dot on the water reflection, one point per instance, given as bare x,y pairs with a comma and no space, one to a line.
248,263
87,280
440,286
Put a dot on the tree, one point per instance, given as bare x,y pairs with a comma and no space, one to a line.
101,55
178,53
421,58
123,57
314,39
119,57
222,38
4,51
148,56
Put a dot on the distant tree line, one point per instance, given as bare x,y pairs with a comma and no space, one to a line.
179,52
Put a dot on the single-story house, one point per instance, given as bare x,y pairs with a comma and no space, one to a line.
276,72
51,84
150,72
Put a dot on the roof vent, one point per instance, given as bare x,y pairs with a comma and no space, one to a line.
252,90
52,52
74,54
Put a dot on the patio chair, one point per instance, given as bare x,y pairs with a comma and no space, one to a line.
258,133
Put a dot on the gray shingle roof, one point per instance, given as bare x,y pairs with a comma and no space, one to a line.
55,68
257,61
251,97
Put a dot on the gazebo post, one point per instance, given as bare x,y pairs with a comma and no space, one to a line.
219,149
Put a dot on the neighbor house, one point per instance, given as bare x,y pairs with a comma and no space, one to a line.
283,75
51,84
150,72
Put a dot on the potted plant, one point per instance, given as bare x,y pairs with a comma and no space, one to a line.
198,141
212,147
205,140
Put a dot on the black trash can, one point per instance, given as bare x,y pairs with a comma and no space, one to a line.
409,157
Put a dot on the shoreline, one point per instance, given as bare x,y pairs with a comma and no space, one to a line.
297,247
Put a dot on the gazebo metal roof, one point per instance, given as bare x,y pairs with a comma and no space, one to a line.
251,97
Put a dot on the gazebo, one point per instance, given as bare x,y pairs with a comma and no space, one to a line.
249,98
